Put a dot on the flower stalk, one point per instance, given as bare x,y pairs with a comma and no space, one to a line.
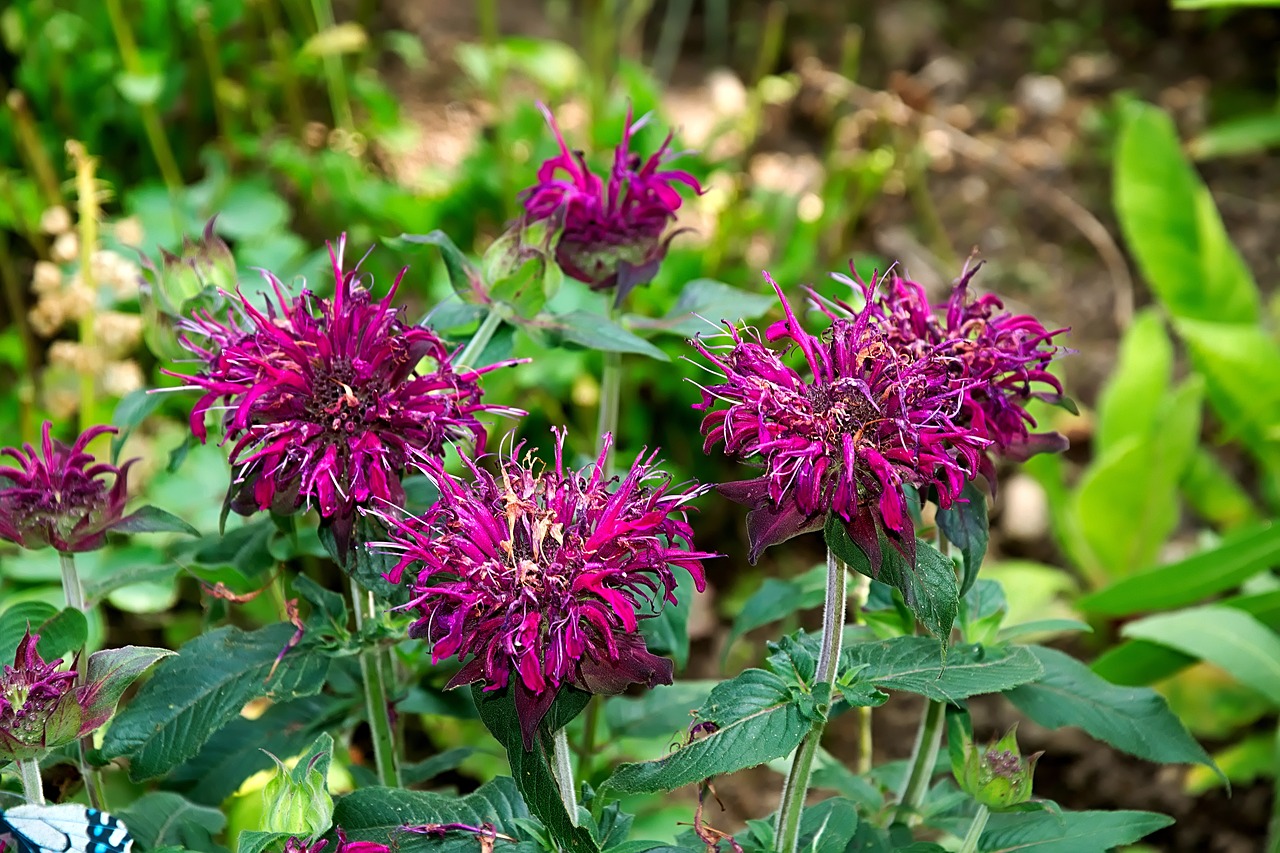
923,757
375,695
971,838
32,786
475,347
562,770
610,400
794,790
858,600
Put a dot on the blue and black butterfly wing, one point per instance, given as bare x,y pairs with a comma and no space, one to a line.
66,828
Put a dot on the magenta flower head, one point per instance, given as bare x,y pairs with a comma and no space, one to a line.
842,432
613,227
327,399
999,356
61,496
538,577
41,708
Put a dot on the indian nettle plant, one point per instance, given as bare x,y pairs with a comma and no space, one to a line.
557,583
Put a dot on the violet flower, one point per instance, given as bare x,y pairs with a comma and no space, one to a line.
545,573
61,496
1000,356
613,227
295,844
326,399
843,434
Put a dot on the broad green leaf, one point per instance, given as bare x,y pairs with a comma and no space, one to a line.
1213,493
161,818
915,664
256,841
114,670
235,752
1067,832
131,411
15,620
250,209
753,720
1248,134
429,768
1042,626
1129,402
1136,720
778,598
376,814
1237,558
532,768
62,634
1127,501
1224,636
203,688
1170,226
664,711
929,587
464,277
965,525
152,519
828,826
597,332
703,305
668,632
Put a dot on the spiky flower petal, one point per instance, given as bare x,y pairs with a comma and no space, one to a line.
327,399
613,228
843,432
61,496
545,573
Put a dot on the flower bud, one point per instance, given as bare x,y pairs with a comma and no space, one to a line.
181,284
298,801
520,269
997,776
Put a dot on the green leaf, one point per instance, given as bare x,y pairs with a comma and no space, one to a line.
131,411
663,711
429,768
464,277
193,695
965,526
1171,227
14,621
1234,560
1127,501
755,720
1067,832
1224,636
668,632
151,519
1247,134
256,841
1042,626
1129,402
916,664
162,818
703,303
1136,720
1215,495
532,768
235,752
778,598
376,814
251,209
828,826
594,331
158,573
63,633
142,89
929,588
113,670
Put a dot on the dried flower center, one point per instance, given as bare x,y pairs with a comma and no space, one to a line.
344,399
843,404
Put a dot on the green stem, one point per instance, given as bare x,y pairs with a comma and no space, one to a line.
375,695
29,144
217,79
17,305
610,400
32,787
1273,831
479,340
87,223
335,76
71,586
923,756
975,830
278,38
562,769
73,591
858,599
151,122
794,790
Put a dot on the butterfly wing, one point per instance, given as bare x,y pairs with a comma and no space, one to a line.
65,828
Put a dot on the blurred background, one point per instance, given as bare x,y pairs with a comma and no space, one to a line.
910,133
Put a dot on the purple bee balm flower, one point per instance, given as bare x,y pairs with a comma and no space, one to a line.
327,399
61,496
843,434
613,229
545,573
1000,356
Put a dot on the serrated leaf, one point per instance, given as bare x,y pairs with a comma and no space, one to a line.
1067,832
929,587
597,332
755,721
152,519
376,814
14,621
1226,637
193,695
162,818
1136,720
464,277
1234,560
965,526
915,664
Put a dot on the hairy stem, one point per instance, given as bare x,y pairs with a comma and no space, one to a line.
787,832
610,400
562,769
87,213
480,340
975,830
858,599
375,695
73,590
923,756
32,787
